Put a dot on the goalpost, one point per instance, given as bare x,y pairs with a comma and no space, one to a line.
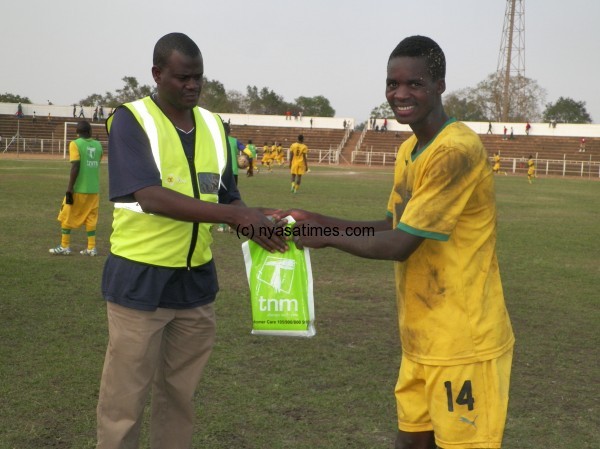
66,127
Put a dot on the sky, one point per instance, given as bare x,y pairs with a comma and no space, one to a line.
66,50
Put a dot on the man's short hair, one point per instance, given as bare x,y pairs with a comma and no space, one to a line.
423,47
300,138
84,128
170,42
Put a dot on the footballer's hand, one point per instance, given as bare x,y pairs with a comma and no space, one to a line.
297,214
69,197
308,234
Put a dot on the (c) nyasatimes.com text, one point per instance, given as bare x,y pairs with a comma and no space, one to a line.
249,231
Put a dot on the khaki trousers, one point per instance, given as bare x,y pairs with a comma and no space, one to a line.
167,350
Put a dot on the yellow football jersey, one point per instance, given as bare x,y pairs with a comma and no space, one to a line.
450,300
298,150
73,152
531,167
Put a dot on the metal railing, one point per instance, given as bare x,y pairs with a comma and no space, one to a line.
31,145
550,167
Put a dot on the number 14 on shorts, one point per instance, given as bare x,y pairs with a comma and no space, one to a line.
464,396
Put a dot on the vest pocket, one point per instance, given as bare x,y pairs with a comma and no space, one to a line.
209,183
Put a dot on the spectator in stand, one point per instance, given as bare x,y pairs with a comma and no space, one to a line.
505,131
527,128
101,113
582,145
19,113
34,118
512,134
81,114
74,111
489,131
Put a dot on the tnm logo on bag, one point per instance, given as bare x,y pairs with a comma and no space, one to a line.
278,273
209,183
276,277
280,291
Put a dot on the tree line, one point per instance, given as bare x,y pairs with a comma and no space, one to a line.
215,97
480,103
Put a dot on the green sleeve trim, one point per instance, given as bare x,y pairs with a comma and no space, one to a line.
388,214
421,233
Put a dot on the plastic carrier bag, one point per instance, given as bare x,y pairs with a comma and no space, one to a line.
281,290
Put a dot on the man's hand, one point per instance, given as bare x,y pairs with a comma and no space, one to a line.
254,224
69,197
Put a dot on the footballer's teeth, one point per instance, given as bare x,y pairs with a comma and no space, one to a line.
404,108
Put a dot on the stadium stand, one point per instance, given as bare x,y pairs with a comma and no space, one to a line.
43,135
555,154
321,142
379,148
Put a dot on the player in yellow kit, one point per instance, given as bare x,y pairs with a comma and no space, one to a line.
530,169
496,167
279,154
81,202
298,162
266,156
440,229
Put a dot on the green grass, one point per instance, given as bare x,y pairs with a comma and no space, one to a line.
331,391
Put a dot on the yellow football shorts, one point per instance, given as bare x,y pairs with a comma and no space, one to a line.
298,168
83,211
464,405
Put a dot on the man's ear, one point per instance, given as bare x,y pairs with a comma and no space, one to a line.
156,72
441,86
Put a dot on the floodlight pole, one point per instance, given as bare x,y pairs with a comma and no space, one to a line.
511,60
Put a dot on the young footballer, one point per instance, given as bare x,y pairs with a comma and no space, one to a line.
530,169
440,229
298,162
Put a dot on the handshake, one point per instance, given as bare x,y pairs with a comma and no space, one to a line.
272,231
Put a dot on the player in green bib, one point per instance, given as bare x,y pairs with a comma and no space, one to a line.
80,205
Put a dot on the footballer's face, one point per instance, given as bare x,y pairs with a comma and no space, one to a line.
411,92
179,82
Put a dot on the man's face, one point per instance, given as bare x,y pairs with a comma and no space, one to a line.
410,91
179,82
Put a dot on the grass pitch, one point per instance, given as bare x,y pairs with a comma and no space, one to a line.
331,391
